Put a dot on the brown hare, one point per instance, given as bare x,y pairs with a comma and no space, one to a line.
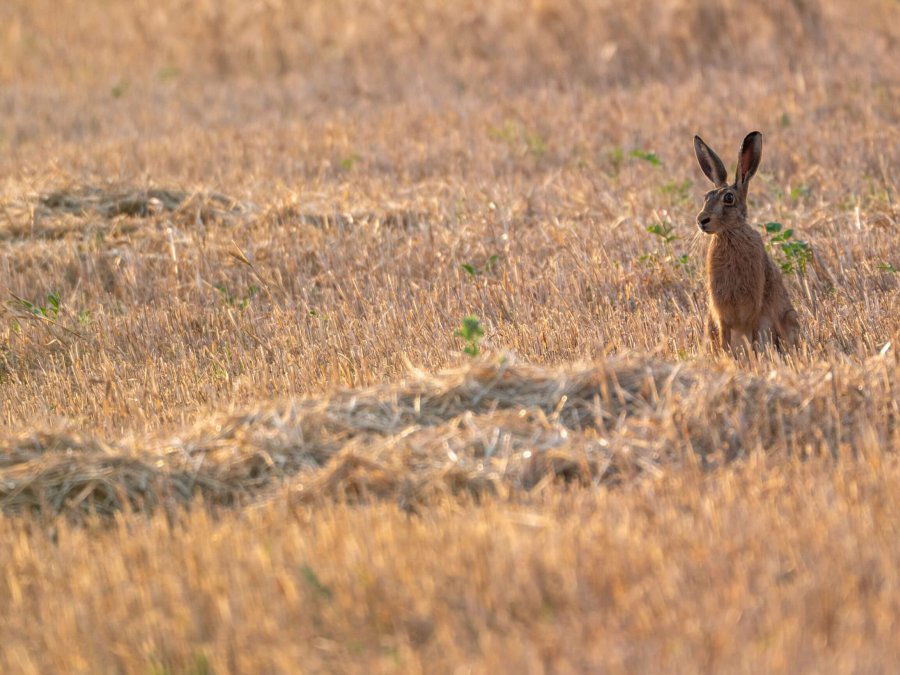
748,302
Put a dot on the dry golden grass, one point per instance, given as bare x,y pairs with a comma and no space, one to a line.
749,569
257,219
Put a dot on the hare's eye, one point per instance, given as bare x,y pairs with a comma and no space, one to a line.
728,198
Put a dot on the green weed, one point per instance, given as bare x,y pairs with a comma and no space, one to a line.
791,254
474,271
471,332
240,301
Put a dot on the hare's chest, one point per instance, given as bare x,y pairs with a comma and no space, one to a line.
736,278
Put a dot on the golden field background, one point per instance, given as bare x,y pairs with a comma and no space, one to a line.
237,241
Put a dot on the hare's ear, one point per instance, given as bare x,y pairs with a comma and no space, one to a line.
710,163
748,160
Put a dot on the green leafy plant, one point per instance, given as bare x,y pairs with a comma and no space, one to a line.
650,157
169,72
232,300
471,332
793,254
516,136
887,267
120,88
201,664
535,143
474,271
616,158
48,311
801,191
849,202
508,132
664,231
312,580
349,161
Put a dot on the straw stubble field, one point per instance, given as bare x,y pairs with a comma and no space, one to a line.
239,433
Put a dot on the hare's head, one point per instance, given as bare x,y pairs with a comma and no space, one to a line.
726,206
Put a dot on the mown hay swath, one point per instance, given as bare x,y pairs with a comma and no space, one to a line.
491,426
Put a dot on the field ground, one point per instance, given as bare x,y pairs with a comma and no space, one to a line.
238,432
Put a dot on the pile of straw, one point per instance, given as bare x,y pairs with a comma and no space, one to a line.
493,426
131,201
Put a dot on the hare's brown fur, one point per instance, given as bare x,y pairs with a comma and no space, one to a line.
747,298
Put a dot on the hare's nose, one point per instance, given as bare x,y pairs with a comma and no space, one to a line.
703,222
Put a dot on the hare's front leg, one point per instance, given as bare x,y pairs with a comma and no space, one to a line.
765,333
740,341
713,335
790,329
726,335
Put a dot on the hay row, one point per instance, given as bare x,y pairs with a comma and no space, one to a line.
491,426
130,201
63,211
